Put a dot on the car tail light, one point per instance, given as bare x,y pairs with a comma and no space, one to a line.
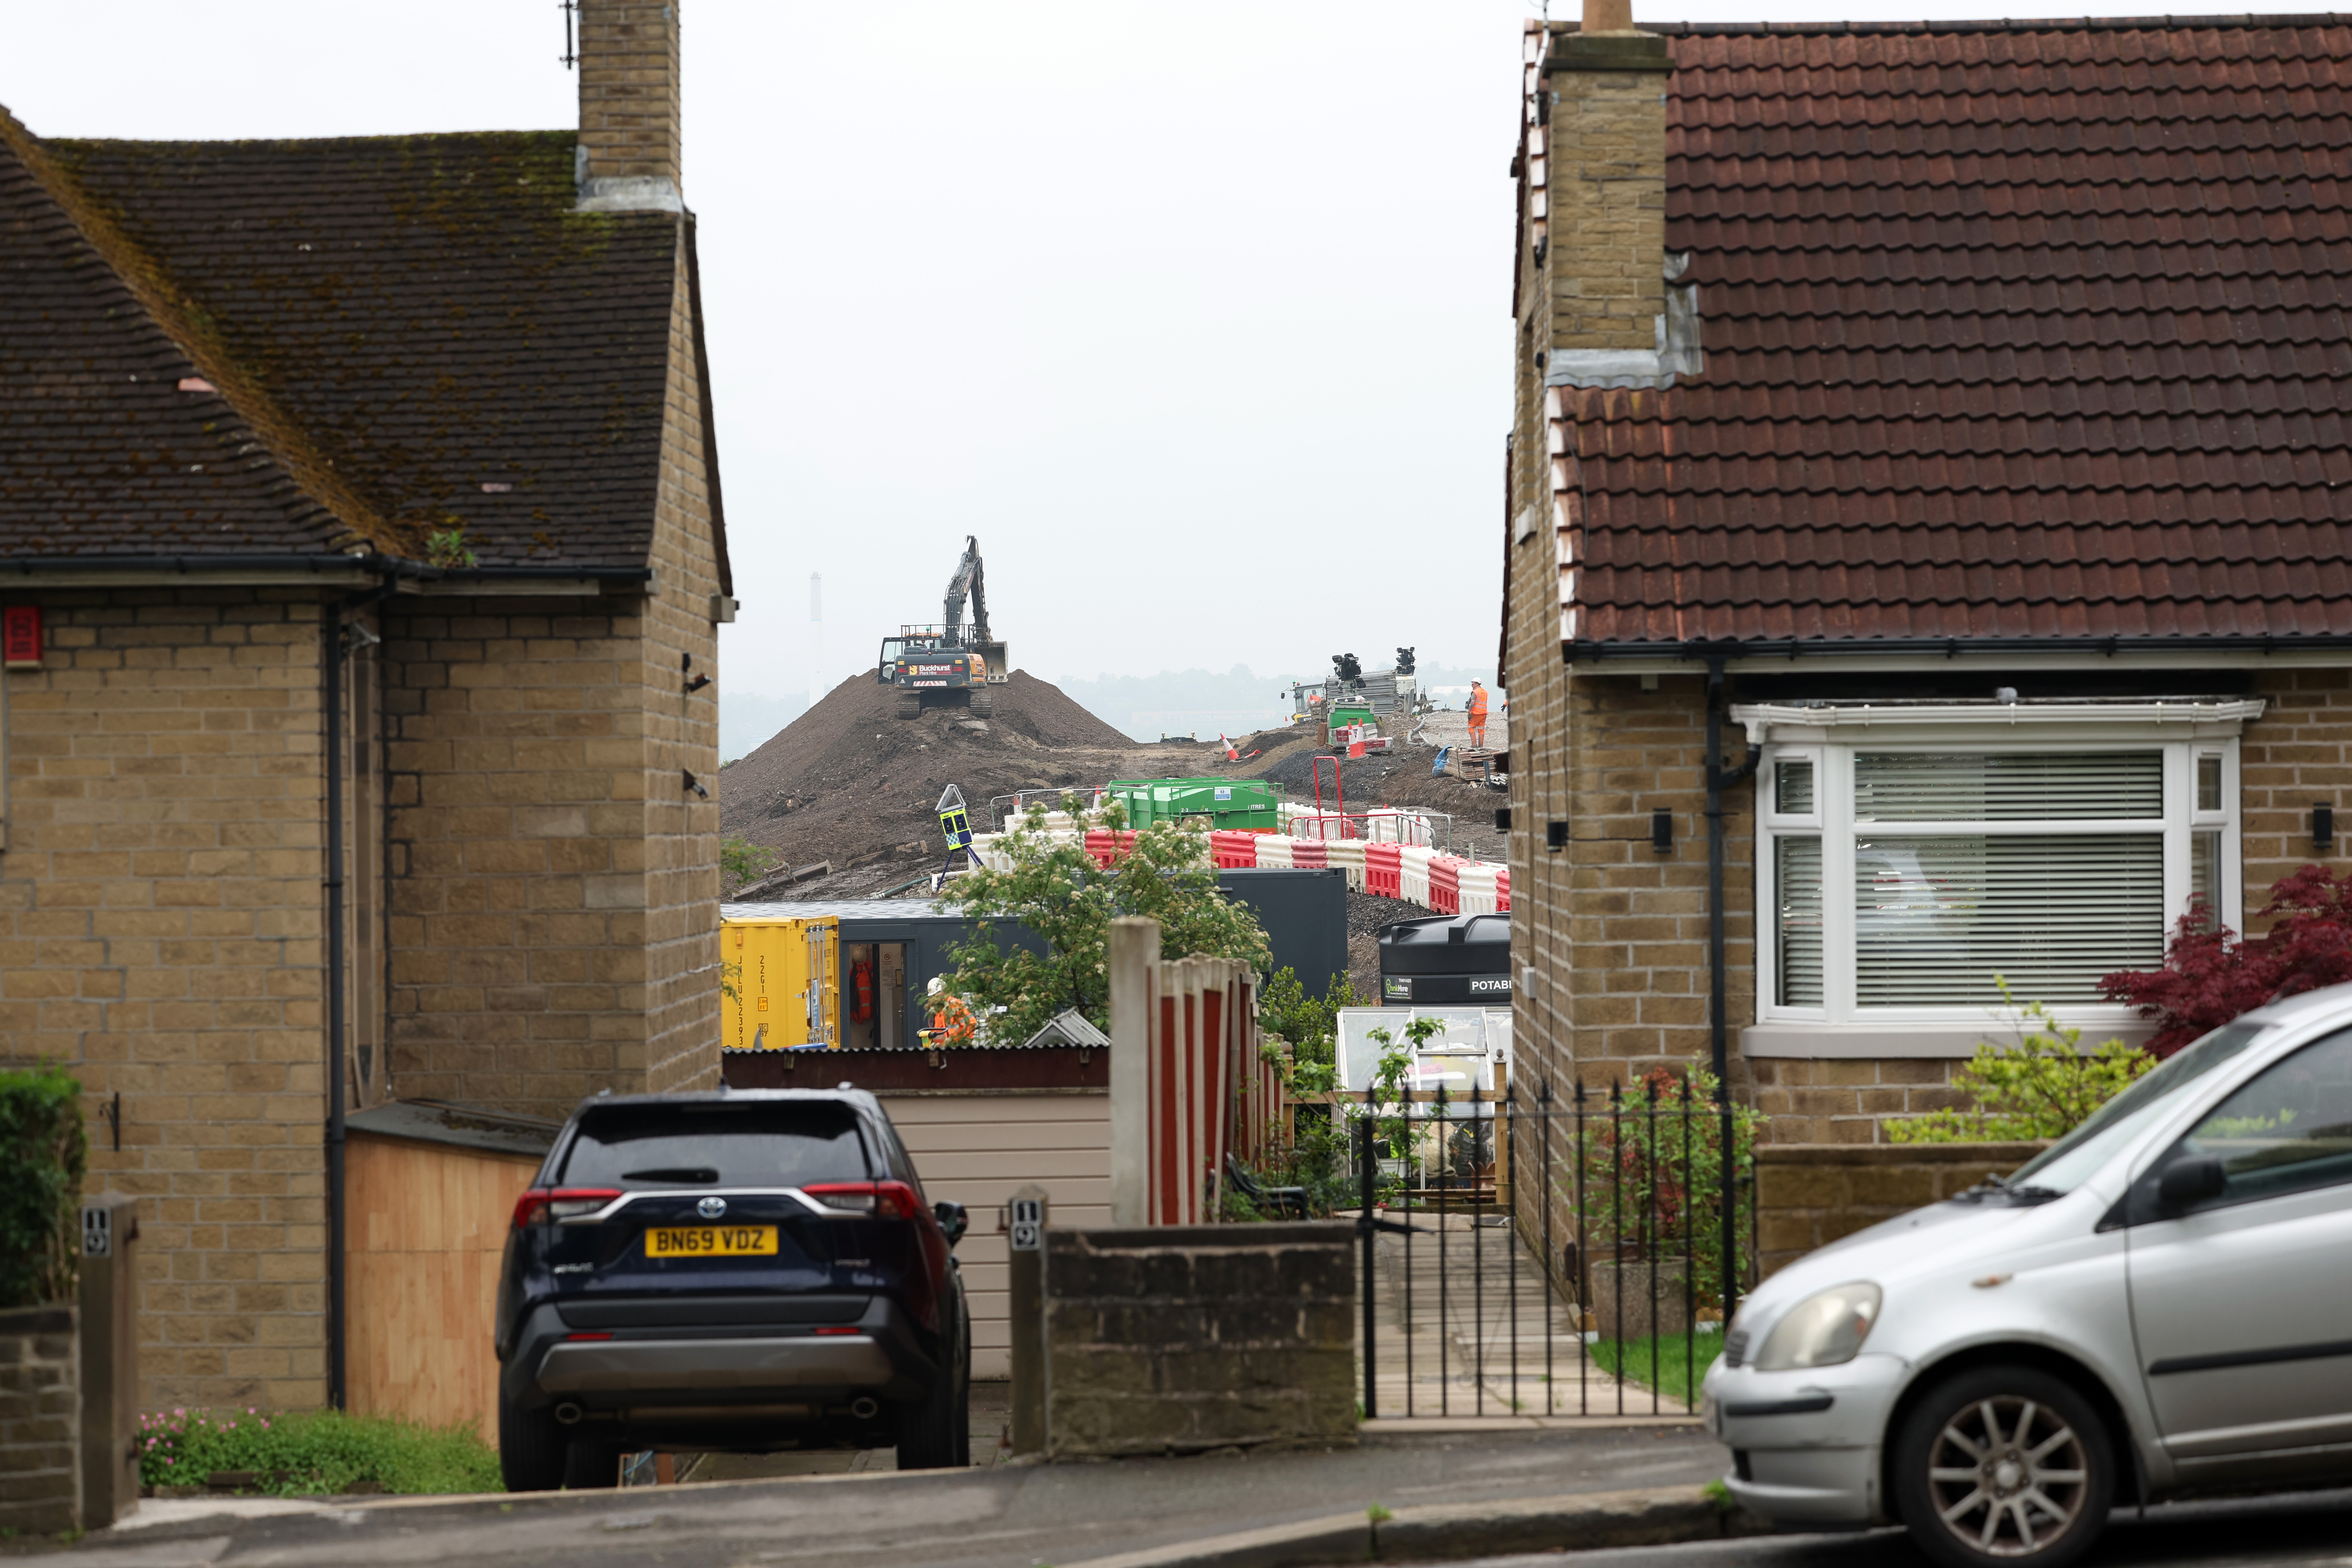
847,1331
545,1205
896,1200
877,1200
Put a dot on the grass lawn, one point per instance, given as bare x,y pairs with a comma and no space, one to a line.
294,1452
1659,1362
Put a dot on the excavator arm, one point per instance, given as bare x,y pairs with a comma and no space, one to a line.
968,580
972,581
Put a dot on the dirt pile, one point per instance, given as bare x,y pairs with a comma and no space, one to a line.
849,785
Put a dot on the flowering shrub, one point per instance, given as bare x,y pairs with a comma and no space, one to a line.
316,1451
2210,974
1653,1175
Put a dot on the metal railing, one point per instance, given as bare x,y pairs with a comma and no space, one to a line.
1547,1255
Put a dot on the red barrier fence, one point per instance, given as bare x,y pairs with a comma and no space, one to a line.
1309,852
1445,883
1381,869
1232,848
1106,847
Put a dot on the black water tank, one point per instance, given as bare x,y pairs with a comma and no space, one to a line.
1446,959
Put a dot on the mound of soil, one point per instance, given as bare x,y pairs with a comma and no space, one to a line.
849,785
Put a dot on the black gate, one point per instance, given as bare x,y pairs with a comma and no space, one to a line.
1562,1255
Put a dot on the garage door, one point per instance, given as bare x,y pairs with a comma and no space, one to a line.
977,1149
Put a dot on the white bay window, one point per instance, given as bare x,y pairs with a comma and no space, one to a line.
1911,853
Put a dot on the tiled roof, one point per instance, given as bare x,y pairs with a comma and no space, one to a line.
2016,331
337,346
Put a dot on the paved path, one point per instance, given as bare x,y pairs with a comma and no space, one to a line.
982,1517
1466,1325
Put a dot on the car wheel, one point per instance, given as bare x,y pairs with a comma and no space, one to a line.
591,1467
2004,1463
530,1449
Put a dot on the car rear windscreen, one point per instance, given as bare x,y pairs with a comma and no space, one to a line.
771,1145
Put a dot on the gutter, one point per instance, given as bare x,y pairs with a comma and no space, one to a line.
1718,779
324,568
1710,651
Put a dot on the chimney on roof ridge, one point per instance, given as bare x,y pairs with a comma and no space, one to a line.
1606,137
628,156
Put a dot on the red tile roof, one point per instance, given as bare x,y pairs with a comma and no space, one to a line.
406,334
2012,330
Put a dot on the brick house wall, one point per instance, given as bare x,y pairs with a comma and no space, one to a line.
160,935
1609,936
529,884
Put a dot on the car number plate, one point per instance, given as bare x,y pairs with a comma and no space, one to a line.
711,1241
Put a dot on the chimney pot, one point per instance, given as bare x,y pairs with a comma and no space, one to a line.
1608,15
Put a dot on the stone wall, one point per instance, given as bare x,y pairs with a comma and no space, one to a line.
1810,1194
160,934
1184,1338
1616,931
2299,753
40,1421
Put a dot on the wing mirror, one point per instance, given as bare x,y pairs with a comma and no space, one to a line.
2190,1180
952,1219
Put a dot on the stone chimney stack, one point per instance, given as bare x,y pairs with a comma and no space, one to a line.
629,121
1607,140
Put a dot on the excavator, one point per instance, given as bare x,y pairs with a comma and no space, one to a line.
948,665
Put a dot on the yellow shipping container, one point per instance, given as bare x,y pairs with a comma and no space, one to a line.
786,976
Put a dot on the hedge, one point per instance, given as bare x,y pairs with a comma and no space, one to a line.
41,1155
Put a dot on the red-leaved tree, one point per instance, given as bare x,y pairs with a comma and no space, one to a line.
2210,974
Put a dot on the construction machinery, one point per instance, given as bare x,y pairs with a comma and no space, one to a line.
948,665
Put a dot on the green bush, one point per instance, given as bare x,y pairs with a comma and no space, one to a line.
2041,1086
41,1155
314,1451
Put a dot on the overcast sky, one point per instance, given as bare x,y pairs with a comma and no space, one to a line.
1196,313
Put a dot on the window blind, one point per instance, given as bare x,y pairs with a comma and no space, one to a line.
1935,919
2006,786
1797,934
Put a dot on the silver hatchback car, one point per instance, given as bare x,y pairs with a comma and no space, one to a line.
2159,1303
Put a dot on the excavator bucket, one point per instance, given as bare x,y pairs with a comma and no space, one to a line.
1000,663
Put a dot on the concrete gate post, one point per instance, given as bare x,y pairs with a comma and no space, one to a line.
1026,1217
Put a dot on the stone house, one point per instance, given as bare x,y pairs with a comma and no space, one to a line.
360,555
1924,547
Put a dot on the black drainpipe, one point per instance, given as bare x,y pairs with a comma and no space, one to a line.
338,1330
1720,779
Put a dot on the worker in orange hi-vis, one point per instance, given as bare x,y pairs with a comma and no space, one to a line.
951,1020
1477,714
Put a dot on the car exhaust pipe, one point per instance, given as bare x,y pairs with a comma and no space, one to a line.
865,1407
569,1414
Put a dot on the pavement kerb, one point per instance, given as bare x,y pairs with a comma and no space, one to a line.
1653,1516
